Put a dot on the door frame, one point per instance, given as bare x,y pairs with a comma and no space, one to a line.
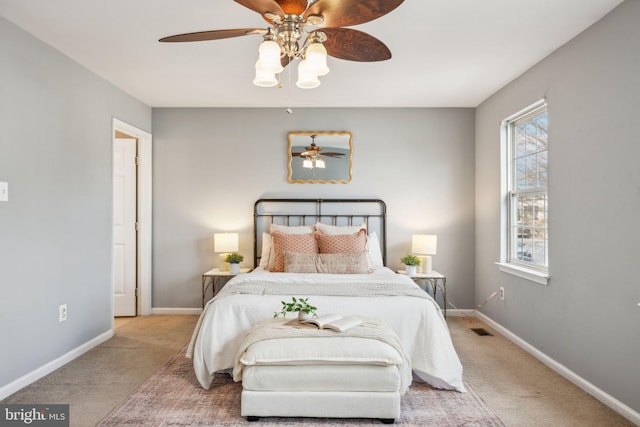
143,196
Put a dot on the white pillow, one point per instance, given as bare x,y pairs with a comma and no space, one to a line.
339,229
375,254
298,229
266,250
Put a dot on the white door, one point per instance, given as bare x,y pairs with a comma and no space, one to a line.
124,226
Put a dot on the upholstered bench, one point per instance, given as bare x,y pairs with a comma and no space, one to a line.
305,372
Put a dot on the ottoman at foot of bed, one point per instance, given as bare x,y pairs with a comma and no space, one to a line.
252,419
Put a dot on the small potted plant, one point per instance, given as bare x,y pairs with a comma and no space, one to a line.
410,262
297,305
234,259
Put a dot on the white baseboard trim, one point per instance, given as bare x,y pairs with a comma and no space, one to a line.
602,396
170,310
460,312
33,376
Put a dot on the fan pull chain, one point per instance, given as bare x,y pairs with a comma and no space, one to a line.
290,110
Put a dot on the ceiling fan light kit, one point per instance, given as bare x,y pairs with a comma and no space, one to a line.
294,33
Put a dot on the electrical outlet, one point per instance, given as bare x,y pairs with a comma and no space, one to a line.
501,293
62,313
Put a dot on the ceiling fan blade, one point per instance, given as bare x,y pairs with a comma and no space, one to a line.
213,35
354,45
345,13
332,154
262,6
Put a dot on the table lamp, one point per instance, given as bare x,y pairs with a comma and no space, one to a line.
424,245
225,243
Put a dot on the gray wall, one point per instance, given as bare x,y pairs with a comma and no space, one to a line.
55,231
211,165
586,318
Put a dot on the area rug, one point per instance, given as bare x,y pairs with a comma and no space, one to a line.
173,397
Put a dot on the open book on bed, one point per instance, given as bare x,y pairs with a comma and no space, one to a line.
335,322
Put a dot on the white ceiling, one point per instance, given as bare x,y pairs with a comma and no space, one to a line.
446,53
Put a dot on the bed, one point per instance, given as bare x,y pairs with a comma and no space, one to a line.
376,291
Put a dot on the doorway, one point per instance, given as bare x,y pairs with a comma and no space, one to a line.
131,260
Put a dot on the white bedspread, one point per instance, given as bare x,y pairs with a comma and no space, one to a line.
394,298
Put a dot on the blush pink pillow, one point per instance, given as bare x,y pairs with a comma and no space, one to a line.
299,243
342,243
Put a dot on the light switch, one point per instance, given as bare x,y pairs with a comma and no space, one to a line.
4,191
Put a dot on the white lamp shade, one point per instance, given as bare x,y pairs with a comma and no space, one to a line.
269,57
225,242
320,163
316,59
306,80
264,78
424,244
306,163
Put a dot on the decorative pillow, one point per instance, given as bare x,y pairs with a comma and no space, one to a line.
298,229
295,262
282,242
342,243
340,263
339,229
375,254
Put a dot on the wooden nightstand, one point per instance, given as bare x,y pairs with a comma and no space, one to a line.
437,281
217,278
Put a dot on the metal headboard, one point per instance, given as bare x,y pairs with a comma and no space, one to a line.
372,212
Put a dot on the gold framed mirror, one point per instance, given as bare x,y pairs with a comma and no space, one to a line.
319,157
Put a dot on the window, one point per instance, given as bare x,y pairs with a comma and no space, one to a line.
527,207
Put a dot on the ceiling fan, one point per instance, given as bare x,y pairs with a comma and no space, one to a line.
312,156
308,30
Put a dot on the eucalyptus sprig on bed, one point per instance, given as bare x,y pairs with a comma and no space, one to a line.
410,260
296,305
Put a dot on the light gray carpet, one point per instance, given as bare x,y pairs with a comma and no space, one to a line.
174,397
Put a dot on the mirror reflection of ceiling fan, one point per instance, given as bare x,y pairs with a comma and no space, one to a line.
312,156
308,30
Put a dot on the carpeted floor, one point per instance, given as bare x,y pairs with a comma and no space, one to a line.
174,397
518,388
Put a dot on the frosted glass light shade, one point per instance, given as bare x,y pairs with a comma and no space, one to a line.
264,78
316,59
306,80
306,163
320,163
225,242
424,244
269,57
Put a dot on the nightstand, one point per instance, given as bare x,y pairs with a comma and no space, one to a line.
437,281
217,278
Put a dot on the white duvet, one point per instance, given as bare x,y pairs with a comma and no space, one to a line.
394,298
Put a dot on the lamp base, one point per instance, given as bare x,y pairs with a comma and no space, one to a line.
225,265
428,265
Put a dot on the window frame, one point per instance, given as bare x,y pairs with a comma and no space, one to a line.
509,262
